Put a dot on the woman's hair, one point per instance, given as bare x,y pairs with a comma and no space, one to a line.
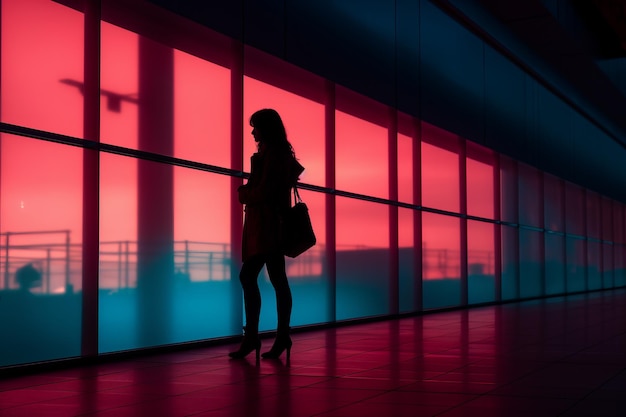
271,128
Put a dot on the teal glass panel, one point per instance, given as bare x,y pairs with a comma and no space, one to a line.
594,265
510,262
406,251
480,262
362,259
530,196
41,192
441,261
307,274
554,264
530,263
576,261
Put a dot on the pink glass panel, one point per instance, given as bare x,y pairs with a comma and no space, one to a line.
406,143
508,190
440,169
361,145
202,126
594,213
299,97
119,79
303,120
42,66
480,180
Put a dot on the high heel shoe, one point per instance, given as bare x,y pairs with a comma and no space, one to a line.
280,345
248,344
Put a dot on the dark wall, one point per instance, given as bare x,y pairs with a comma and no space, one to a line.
411,54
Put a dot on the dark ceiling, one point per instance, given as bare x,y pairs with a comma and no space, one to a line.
572,36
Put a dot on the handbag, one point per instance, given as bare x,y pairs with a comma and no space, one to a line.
298,235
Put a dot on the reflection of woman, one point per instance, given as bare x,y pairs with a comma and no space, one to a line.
266,195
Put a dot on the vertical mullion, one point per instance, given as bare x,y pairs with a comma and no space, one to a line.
497,196
417,218
394,257
91,168
331,212
463,211
236,163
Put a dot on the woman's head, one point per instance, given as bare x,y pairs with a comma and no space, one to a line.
268,128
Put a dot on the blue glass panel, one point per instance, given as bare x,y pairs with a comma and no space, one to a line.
510,263
480,262
41,250
554,264
307,274
530,196
441,261
576,264
531,263
362,259
408,275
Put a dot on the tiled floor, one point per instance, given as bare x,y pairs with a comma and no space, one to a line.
556,357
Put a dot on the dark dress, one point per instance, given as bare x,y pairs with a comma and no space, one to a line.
266,196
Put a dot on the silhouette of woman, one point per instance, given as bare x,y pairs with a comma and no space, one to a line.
266,195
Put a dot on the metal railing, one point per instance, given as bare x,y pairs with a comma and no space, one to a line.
59,261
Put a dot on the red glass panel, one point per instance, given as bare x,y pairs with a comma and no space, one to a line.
508,190
303,120
42,66
594,213
299,97
406,142
361,145
119,83
480,182
440,169
202,106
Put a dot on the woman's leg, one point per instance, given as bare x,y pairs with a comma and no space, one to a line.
278,277
248,277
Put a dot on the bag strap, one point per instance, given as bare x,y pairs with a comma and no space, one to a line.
296,196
